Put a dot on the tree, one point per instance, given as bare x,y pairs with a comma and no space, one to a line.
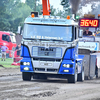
53,11
94,7
95,10
22,12
14,12
32,4
19,11
84,2
38,8
4,23
66,6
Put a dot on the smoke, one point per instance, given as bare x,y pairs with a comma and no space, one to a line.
93,5
75,5
84,2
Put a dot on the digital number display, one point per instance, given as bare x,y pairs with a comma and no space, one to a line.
89,22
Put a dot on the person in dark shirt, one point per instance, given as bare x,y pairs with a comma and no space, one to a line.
18,49
87,32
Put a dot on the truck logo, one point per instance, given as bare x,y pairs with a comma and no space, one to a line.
46,53
46,64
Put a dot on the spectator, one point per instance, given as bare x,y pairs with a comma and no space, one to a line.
18,49
4,48
87,32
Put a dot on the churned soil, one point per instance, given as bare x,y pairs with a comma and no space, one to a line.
12,87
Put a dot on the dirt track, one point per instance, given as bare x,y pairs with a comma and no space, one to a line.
12,87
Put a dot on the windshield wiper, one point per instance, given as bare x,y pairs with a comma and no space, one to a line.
57,40
36,39
30,39
45,39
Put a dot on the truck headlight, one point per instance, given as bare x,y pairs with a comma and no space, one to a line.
67,65
26,63
26,68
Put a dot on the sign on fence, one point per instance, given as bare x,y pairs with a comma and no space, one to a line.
92,46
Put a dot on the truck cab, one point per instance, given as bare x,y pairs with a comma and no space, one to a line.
50,49
9,39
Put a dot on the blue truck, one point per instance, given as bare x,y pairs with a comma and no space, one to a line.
49,48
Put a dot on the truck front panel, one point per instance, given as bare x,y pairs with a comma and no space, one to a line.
56,59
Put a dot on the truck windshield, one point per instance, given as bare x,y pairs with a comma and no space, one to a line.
48,32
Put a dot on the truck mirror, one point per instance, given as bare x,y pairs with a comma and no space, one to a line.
80,33
19,30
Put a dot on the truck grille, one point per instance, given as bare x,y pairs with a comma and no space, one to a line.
50,52
47,52
46,70
46,59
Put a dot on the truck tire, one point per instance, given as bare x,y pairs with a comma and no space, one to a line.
26,76
96,71
81,75
73,78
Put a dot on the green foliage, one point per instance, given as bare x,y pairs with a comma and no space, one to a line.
66,6
57,13
38,8
53,11
95,10
32,4
20,14
4,23
14,12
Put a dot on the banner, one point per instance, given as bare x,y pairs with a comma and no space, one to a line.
92,46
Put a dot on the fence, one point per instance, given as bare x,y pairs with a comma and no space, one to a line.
9,53
11,58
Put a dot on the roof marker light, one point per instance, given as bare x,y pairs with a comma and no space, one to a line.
68,17
98,15
32,15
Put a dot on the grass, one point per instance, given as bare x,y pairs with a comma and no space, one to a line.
7,63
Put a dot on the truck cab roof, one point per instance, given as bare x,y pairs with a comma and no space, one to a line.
1,32
50,20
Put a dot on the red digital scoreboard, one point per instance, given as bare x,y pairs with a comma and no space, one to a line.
88,22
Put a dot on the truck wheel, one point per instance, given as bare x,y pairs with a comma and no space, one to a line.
73,78
26,76
81,75
96,71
